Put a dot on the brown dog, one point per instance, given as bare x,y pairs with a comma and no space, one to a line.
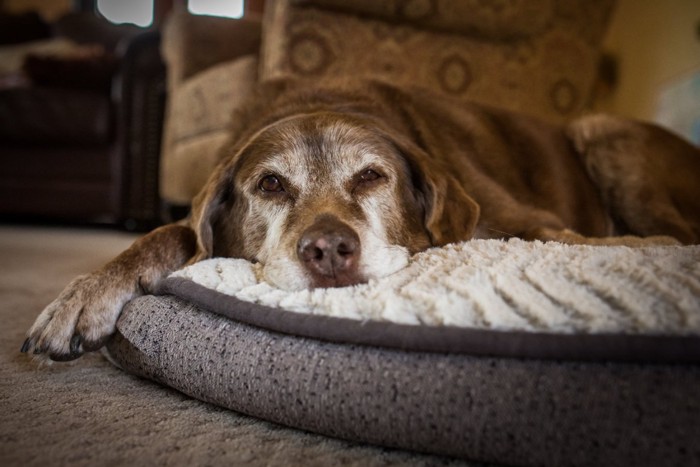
334,186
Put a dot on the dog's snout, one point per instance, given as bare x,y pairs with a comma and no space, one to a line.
330,251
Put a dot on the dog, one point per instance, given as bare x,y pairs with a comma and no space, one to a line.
332,186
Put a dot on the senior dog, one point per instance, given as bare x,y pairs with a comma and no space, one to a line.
333,186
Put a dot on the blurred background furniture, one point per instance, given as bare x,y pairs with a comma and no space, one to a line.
534,56
81,110
541,57
212,66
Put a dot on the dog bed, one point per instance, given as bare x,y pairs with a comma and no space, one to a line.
520,353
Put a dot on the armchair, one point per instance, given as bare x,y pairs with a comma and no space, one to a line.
80,139
538,57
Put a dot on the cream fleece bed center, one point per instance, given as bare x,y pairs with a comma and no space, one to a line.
513,352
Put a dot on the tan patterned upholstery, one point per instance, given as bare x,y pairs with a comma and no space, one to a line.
201,110
212,66
533,56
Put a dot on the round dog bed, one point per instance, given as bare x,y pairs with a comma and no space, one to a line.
509,352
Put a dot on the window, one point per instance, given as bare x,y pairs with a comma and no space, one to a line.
138,12
227,8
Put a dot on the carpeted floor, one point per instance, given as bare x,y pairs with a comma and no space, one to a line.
89,413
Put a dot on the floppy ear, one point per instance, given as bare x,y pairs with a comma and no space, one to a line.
451,214
207,205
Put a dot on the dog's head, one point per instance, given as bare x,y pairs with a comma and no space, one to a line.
326,200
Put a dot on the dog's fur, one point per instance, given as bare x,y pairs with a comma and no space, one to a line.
335,186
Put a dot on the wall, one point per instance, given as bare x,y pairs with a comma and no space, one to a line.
656,42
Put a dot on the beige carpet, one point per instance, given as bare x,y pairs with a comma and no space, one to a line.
88,413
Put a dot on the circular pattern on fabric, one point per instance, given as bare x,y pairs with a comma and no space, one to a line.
564,96
454,75
309,54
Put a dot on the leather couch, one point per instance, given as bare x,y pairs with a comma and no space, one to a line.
80,123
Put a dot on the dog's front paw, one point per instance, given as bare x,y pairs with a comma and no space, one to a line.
81,319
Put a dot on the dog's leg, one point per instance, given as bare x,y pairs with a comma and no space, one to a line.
648,178
85,314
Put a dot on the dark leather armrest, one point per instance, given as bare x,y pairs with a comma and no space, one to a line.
139,93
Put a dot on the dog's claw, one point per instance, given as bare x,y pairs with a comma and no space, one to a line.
91,346
65,357
75,343
90,303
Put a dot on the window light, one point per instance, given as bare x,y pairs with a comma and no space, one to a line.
226,8
138,12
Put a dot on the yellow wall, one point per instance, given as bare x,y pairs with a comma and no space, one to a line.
655,42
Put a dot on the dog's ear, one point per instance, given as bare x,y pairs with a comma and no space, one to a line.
207,206
451,214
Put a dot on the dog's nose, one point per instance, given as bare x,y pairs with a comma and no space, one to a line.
330,251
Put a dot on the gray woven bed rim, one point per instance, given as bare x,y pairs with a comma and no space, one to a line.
509,398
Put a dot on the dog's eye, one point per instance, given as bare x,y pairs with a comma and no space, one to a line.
271,183
369,175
